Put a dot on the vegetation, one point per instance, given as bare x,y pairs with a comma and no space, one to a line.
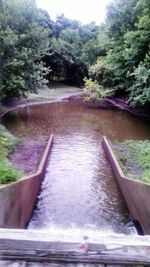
134,158
73,47
34,50
126,63
93,91
23,41
7,172
116,54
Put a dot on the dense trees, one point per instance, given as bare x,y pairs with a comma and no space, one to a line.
23,40
116,53
126,64
29,39
73,47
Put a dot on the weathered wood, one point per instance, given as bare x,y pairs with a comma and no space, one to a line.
35,246
45,264
123,265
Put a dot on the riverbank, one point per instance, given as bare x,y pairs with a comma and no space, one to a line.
122,104
55,93
51,94
26,154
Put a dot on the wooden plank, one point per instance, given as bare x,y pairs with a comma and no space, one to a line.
45,264
35,246
33,264
123,265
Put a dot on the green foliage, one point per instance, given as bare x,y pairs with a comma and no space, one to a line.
126,62
134,158
65,63
100,71
7,142
23,41
7,172
140,90
93,91
140,150
73,47
116,53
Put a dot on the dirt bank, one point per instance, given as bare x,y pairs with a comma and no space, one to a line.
122,104
26,159
51,94
27,154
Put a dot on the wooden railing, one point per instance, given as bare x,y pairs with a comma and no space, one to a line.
38,246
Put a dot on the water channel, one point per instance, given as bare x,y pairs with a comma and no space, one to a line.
79,190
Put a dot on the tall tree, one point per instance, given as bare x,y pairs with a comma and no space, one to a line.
125,67
73,48
23,42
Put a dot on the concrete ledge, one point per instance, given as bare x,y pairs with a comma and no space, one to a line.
64,248
135,193
17,199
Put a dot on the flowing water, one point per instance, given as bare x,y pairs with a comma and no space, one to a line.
79,190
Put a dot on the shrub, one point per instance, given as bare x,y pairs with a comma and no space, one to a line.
7,172
93,91
7,142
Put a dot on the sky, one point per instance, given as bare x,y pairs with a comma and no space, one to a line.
83,10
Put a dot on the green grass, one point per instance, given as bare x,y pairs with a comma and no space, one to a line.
7,143
7,172
134,158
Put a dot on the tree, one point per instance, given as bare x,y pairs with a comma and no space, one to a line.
137,53
73,47
125,63
23,42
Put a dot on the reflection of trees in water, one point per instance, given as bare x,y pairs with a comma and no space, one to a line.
82,127
65,117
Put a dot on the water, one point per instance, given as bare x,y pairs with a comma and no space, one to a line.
79,190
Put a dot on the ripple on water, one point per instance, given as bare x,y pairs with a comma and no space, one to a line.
76,190
79,189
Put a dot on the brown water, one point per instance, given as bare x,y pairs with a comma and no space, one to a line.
79,190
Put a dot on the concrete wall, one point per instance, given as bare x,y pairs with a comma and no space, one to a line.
17,199
135,193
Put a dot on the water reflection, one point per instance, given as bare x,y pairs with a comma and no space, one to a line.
66,117
79,190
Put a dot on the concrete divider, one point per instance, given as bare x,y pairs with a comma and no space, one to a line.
135,193
17,199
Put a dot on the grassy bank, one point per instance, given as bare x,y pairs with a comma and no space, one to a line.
54,92
7,143
134,158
